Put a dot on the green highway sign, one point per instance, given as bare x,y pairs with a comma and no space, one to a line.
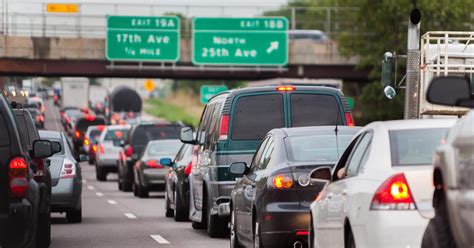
208,91
240,41
142,38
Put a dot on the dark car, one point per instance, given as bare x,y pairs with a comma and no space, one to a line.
269,205
70,119
42,174
37,116
19,192
231,128
66,178
137,139
80,128
177,183
90,147
62,114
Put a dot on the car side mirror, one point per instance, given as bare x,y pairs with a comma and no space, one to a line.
186,136
57,148
451,91
166,162
238,168
42,148
321,174
83,158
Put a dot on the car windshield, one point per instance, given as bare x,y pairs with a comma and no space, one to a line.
164,147
414,146
116,135
324,147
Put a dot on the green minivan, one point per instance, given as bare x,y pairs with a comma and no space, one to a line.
232,126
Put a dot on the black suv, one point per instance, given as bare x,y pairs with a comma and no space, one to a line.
136,142
19,192
80,129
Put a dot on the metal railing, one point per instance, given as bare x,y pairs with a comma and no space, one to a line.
31,19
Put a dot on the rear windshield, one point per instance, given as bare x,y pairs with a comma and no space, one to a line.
116,135
414,146
314,110
164,147
94,135
254,116
83,124
143,134
318,148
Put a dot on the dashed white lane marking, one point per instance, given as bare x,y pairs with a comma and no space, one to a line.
112,202
84,181
90,187
130,215
99,194
159,239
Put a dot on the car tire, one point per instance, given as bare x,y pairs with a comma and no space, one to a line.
127,186
257,241
168,211
100,174
179,210
349,241
197,225
74,215
234,241
142,191
135,190
120,185
216,227
43,233
439,233
311,232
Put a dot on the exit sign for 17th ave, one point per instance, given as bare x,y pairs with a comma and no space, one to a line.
240,41
143,38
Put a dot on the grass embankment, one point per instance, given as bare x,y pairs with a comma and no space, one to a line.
180,106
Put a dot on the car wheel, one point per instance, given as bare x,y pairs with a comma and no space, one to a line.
120,185
169,212
142,191
100,174
74,215
197,225
311,232
349,242
43,233
216,227
234,243
127,186
438,233
179,210
257,242
135,190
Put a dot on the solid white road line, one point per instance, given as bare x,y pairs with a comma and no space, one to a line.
112,202
159,239
90,187
130,215
99,194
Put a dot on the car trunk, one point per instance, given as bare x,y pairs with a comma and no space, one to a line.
55,168
420,181
306,194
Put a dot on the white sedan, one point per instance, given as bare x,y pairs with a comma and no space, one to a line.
380,192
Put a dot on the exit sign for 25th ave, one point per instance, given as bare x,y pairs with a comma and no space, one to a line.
240,41
143,38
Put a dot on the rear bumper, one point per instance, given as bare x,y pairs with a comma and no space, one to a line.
66,194
19,224
280,228
151,178
108,164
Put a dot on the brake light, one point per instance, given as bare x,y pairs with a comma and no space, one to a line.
39,118
188,168
282,181
68,170
153,164
90,117
94,148
129,151
77,134
101,149
286,88
224,127
18,183
393,194
349,119
68,120
302,233
86,141
100,128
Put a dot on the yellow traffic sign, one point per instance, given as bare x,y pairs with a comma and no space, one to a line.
62,8
149,85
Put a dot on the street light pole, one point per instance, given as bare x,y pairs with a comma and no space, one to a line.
412,93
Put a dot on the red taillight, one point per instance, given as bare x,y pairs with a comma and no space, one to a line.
39,118
282,181
89,117
188,168
61,114
101,149
393,194
77,134
86,141
349,119
302,233
68,170
129,151
286,88
224,127
18,183
153,164
68,120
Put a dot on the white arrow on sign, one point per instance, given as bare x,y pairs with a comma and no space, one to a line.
273,46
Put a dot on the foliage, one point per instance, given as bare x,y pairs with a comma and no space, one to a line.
161,109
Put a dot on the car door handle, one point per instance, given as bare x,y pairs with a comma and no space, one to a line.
329,196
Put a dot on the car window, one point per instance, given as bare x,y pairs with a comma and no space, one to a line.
254,116
213,127
114,135
4,135
206,118
266,155
181,152
357,155
324,110
258,156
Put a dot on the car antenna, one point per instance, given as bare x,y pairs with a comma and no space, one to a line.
336,131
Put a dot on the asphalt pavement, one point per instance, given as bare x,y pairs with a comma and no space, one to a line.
112,218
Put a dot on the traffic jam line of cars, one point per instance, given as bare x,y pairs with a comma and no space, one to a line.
274,166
